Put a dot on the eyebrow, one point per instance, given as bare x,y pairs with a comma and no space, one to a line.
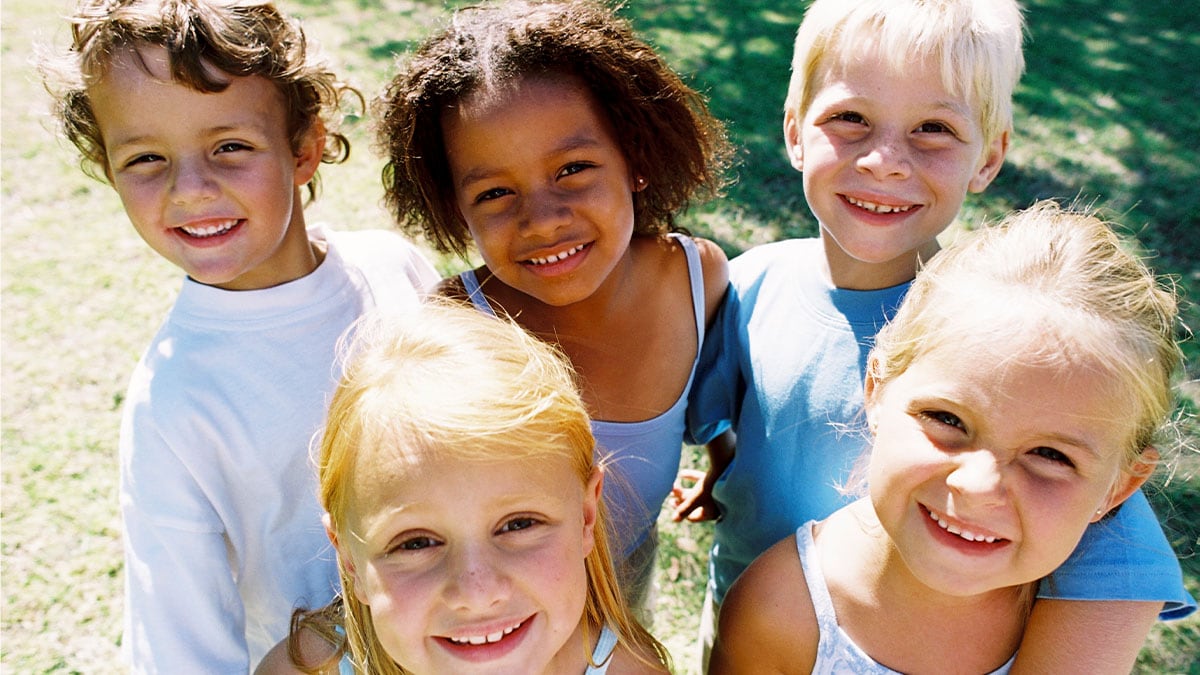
579,141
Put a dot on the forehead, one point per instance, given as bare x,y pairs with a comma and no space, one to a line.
390,479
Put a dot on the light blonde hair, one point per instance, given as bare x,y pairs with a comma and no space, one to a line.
976,45
448,378
1056,272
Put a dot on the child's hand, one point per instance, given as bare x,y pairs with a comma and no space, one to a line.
693,497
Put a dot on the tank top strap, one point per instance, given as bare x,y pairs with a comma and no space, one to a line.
603,652
695,280
471,285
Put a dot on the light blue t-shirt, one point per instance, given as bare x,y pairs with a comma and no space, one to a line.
783,364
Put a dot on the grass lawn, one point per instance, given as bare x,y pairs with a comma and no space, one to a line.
1106,114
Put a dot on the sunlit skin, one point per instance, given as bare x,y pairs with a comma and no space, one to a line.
549,205
447,552
887,162
209,180
988,464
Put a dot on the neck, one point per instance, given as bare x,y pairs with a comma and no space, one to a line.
850,273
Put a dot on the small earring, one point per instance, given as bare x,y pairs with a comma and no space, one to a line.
641,182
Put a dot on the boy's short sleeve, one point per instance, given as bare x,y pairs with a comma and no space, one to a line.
713,400
1125,557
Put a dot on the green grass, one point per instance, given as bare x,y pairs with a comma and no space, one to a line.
1105,113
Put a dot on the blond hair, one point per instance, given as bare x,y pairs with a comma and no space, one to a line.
448,378
240,38
976,45
1048,271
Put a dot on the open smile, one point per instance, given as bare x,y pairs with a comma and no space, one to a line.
879,208
484,639
215,229
961,532
557,257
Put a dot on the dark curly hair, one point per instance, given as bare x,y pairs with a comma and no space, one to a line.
239,38
663,126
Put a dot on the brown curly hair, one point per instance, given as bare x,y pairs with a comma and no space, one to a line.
238,37
664,127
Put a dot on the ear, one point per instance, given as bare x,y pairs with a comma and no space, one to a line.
639,183
791,138
871,391
1128,481
343,556
310,152
591,508
992,160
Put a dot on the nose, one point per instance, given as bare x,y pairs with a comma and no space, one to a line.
978,477
192,181
477,579
886,155
544,211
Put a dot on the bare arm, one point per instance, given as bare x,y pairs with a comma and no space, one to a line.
767,623
693,492
1084,636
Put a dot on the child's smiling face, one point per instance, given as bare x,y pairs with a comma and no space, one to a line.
473,565
887,160
209,180
989,462
543,186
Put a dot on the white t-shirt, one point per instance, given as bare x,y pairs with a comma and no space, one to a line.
223,532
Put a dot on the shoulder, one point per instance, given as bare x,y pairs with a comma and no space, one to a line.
767,620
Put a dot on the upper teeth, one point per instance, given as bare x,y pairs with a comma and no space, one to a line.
210,230
878,208
557,256
484,639
954,529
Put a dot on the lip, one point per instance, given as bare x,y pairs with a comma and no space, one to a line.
558,259
955,533
488,651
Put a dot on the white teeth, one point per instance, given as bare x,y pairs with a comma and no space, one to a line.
878,208
484,639
557,256
209,231
965,534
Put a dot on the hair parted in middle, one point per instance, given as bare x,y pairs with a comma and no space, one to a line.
402,393
664,127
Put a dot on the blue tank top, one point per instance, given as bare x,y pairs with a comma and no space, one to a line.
642,457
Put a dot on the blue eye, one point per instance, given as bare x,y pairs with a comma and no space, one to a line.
934,128
943,417
416,544
1052,455
516,524
849,116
